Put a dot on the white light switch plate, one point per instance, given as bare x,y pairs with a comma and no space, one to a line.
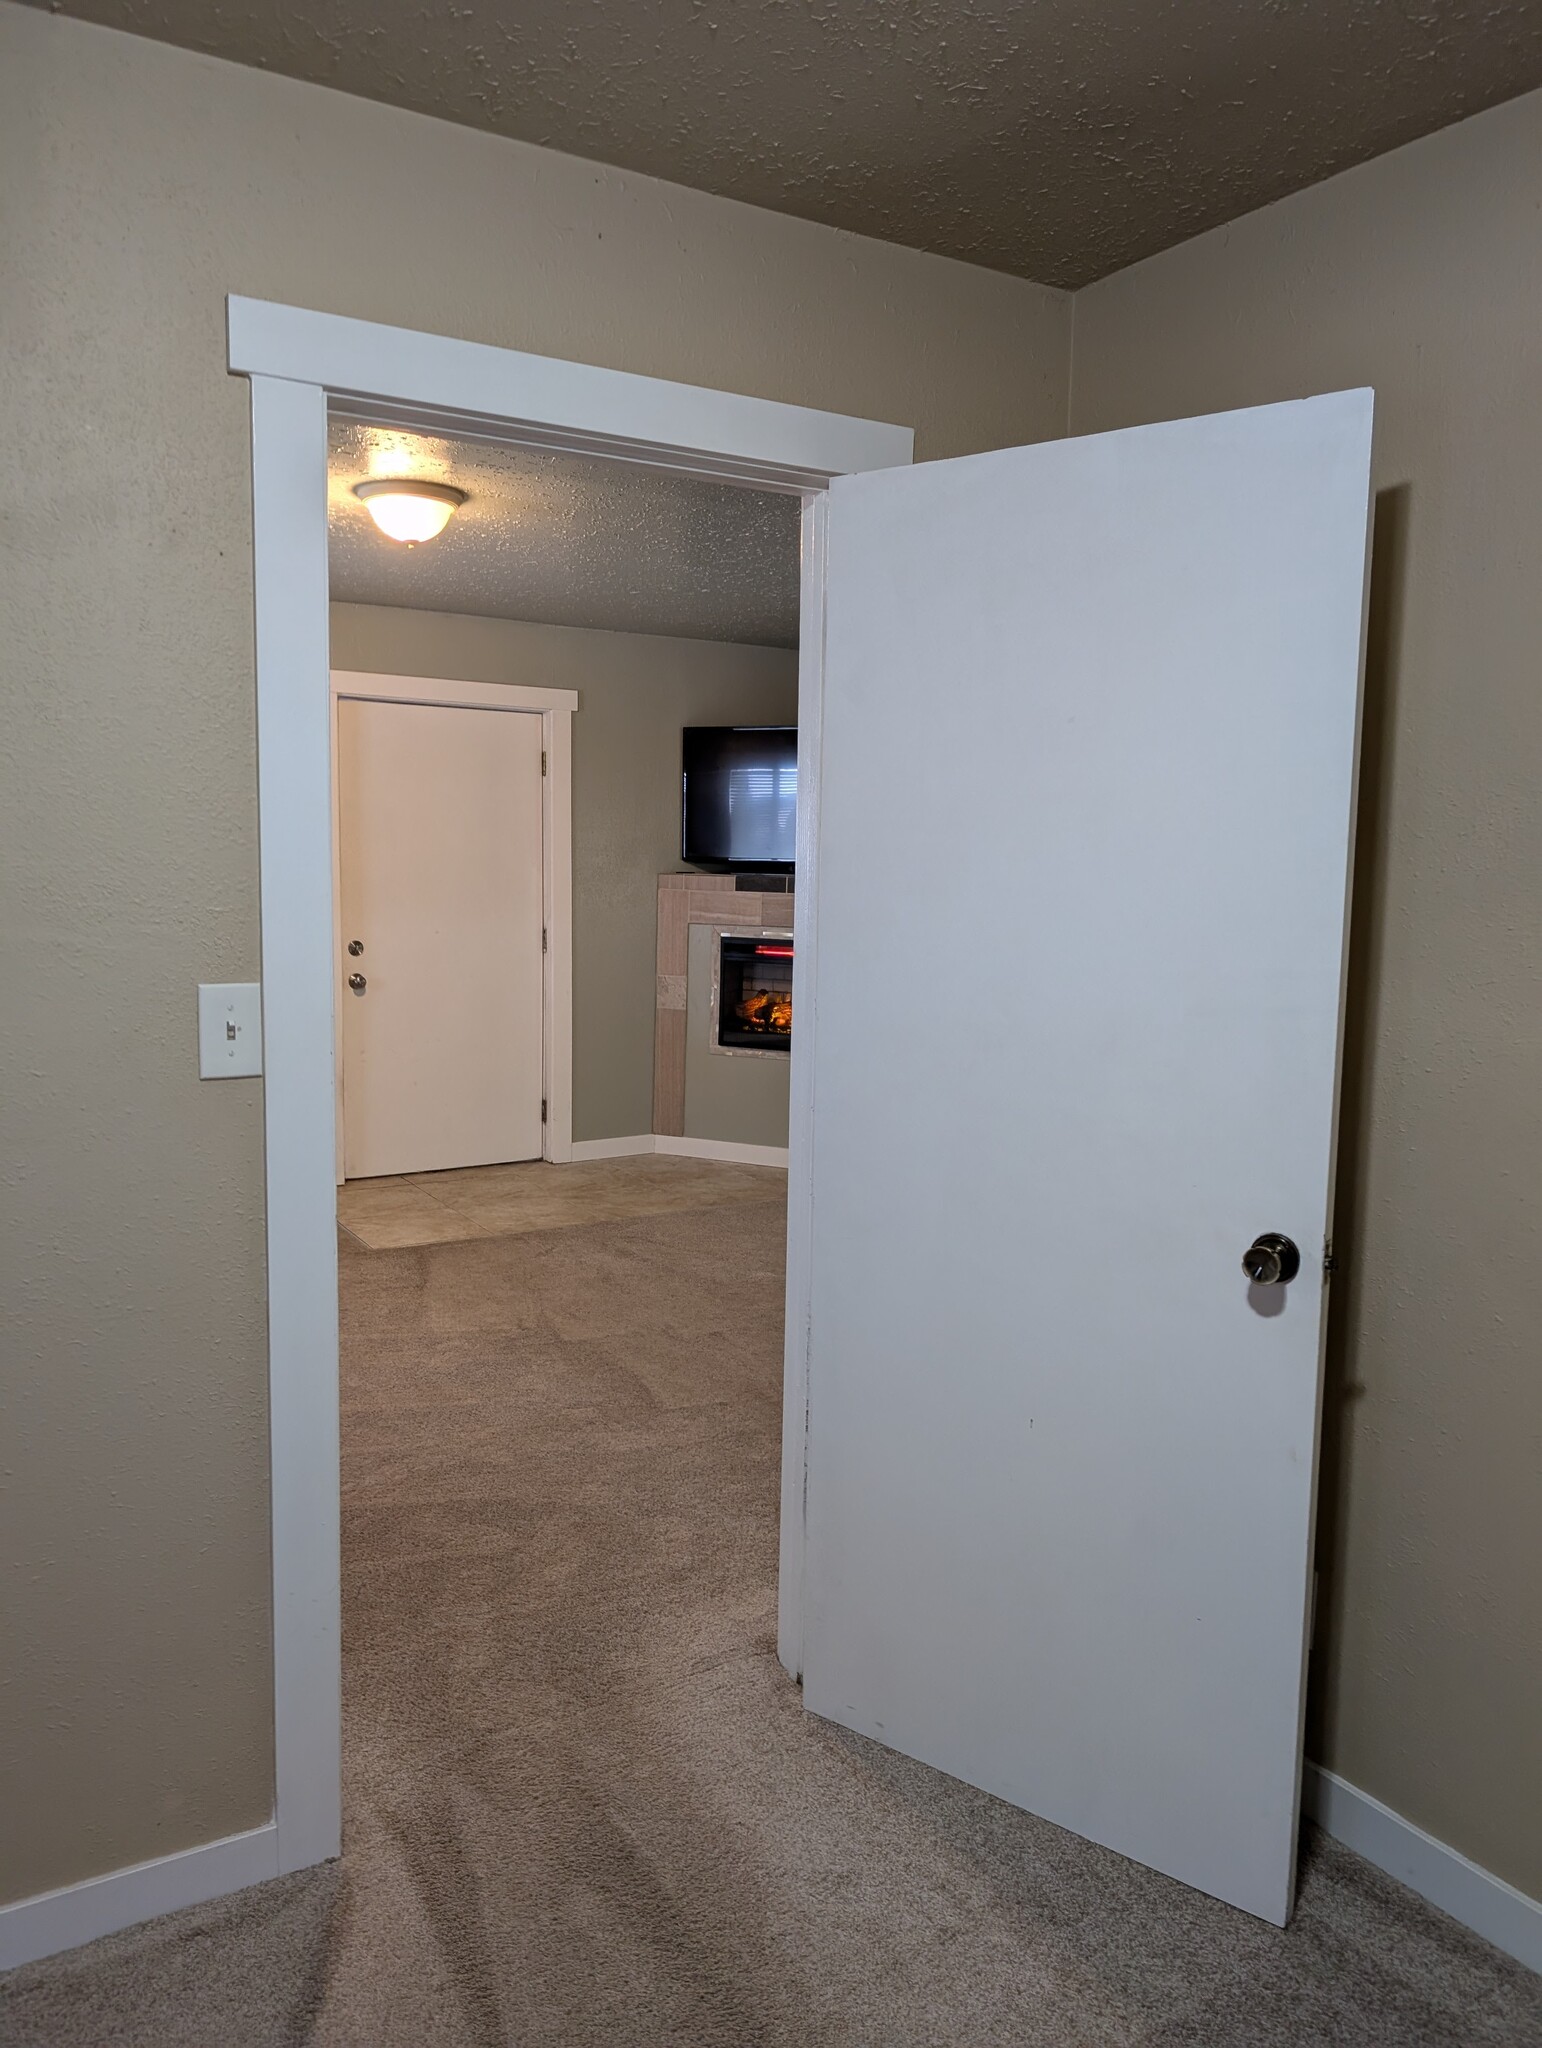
229,1029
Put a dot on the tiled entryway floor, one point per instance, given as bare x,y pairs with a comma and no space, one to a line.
501,1201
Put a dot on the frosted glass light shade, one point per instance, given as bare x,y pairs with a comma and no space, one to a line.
409,511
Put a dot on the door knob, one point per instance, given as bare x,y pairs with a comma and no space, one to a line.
356,947
1271,1260
357,983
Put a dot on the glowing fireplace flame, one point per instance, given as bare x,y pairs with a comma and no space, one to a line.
765,1010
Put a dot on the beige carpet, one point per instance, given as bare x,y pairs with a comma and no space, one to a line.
501,1201
583,1803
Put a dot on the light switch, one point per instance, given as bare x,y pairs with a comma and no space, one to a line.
229,1029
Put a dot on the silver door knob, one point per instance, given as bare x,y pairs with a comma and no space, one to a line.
357,983
1270,1260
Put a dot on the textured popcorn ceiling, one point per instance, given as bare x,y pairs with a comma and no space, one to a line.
1060,139
568,541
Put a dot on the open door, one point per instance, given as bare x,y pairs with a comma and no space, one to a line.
1087,795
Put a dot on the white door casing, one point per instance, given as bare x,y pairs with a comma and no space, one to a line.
441,886
299,362
1061,1455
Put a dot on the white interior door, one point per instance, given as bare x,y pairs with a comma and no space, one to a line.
441,890
1089,739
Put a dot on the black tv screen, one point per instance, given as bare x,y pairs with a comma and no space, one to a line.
740,795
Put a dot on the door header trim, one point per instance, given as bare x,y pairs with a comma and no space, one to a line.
468,388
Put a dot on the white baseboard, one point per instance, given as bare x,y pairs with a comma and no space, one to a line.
722,1148
53,1921
1445,1877
32,1928
611,1148
681,1148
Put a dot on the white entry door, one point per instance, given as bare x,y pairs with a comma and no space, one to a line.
441,890
1087,790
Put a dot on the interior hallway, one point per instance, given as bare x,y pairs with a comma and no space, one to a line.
583,1803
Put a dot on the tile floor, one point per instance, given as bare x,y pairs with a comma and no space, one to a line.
501,1201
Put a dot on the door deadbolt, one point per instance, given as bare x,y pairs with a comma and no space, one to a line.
356,947
1271,1260
357,983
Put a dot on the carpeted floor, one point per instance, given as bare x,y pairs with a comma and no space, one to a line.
502,1201
583,1803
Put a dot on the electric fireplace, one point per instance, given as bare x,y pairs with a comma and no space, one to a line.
752,992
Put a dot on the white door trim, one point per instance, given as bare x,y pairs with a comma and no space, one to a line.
555,709
294,823
295,360
469,387
379,689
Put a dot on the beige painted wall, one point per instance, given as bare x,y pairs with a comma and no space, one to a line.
636,690
141,184
1420,274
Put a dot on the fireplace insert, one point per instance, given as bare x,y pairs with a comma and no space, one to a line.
753,1007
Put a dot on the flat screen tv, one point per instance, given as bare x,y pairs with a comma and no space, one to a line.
740,795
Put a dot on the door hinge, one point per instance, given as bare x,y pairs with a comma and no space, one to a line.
543,760
543,1109
543,938
1330,1260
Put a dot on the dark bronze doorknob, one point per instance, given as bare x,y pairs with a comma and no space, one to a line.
1271,1260
357,983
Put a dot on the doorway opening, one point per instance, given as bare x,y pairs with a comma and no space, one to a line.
301,365
571,600
499,885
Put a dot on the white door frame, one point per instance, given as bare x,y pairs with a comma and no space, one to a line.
299,362
555,710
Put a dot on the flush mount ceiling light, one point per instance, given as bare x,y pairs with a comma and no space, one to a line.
407,510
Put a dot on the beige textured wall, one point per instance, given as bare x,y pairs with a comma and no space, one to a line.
140,185
1420,274
636,690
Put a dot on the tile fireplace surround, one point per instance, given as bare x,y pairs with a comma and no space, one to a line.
685,900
